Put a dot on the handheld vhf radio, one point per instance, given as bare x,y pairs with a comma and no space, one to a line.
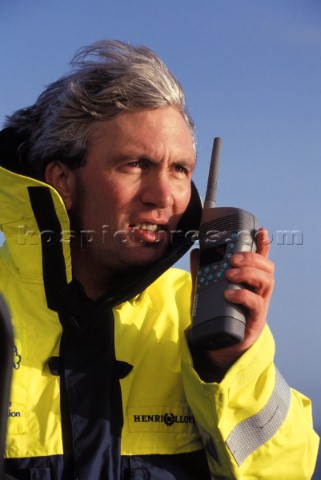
217,323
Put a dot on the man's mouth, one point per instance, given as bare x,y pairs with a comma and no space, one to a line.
149,233
150,227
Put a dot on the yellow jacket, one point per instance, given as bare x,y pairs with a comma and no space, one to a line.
72,358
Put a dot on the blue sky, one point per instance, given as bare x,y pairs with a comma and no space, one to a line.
251,71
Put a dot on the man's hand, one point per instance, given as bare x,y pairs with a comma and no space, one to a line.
256,270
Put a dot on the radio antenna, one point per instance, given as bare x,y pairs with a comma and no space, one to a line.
210,198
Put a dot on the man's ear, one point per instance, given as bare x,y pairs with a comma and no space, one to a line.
61,177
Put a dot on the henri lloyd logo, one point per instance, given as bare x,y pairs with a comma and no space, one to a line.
161,419
168,419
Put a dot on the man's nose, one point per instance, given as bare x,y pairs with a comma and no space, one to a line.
158,191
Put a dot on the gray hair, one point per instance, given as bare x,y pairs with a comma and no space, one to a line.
106,78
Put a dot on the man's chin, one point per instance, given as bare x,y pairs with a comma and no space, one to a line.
145,255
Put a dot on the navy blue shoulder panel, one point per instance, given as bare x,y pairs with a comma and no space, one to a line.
184,466
41,468
187,466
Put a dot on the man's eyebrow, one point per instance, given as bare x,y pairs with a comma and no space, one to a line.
123,157
140,154
184,162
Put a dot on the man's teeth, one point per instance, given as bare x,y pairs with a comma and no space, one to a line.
151,227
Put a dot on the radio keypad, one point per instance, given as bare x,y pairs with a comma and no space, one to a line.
214,272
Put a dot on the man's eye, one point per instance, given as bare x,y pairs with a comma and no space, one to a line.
180,169
135,164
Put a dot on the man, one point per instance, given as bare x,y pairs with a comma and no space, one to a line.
97,202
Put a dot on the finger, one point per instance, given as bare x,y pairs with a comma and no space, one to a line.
251,301
261,280
255,306
254,260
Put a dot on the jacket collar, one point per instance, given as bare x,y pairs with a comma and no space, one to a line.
20,225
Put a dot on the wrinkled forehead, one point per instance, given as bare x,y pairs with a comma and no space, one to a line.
157,133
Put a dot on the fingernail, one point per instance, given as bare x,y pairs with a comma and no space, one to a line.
230,293
233,271
238,257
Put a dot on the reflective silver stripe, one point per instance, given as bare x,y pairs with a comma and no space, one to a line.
253,432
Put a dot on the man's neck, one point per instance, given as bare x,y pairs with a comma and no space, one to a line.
94,279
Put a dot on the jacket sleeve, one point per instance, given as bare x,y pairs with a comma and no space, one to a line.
253,425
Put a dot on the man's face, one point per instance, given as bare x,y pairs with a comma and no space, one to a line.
133,188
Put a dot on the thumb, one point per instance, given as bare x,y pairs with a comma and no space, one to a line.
263,242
